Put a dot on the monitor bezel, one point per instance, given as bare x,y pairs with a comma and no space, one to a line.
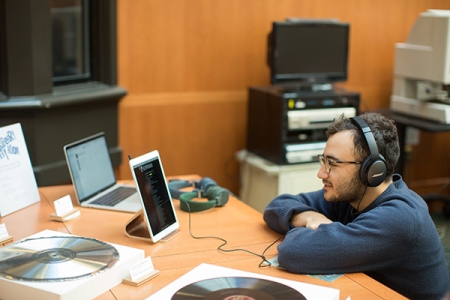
326,77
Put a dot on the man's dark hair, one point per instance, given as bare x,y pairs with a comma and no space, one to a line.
384,131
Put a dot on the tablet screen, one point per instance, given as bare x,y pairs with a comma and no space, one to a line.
156,201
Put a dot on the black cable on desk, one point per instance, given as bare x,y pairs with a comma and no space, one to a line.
264,260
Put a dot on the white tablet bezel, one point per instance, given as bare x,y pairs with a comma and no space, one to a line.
136,162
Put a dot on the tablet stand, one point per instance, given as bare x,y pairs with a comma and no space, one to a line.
137,228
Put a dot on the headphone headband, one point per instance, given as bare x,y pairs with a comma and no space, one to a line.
370,139
176,185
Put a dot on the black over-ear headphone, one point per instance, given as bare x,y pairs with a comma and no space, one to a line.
373,168
205,188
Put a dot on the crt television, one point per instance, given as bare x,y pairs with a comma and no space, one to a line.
308,51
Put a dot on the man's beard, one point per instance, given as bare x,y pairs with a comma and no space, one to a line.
350,191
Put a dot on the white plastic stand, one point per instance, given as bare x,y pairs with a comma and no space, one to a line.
65,217
6,240
141,280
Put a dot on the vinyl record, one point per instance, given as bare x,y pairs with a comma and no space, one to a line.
57,258
237,288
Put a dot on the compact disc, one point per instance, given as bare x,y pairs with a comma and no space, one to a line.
56,258
237,288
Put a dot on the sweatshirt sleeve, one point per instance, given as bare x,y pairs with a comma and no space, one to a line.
280,210
364,244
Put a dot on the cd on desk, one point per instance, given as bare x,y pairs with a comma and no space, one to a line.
231,288
56,258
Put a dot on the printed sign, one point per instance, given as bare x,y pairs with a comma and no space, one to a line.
18,187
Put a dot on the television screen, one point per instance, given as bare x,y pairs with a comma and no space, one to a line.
308,52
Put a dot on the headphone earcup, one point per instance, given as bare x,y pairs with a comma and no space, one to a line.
373,172
220,195
373,168
205,183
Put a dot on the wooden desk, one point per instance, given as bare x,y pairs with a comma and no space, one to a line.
236,222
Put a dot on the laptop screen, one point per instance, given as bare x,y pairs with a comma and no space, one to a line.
90,165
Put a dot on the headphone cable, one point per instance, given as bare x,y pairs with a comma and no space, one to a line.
362,196
220,248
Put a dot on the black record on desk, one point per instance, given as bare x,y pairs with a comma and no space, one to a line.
233,288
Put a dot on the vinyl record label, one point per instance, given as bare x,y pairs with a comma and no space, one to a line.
237,288
57,258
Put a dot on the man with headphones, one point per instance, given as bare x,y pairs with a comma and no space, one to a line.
365,219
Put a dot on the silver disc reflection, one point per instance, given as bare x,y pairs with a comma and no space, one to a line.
57,258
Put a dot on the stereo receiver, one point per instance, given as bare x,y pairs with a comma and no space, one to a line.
288,126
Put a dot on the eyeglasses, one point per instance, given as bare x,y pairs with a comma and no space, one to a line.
328,162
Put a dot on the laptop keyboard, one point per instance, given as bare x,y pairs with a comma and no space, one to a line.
115,196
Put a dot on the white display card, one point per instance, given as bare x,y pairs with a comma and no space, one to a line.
63,205
141,269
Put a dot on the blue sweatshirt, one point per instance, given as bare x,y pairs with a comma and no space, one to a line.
393,240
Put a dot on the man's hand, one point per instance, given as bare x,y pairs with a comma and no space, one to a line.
309,219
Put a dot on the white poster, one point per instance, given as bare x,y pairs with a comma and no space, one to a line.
18,187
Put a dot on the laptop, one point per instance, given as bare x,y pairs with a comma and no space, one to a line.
93,177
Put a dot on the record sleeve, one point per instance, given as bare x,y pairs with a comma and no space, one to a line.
233,288
56,258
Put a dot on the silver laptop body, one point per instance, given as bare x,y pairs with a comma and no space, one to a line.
93,177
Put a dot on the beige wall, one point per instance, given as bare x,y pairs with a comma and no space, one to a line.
187,65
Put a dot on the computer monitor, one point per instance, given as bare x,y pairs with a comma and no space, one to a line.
306,52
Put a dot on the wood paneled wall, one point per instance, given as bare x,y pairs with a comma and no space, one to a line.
187,65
